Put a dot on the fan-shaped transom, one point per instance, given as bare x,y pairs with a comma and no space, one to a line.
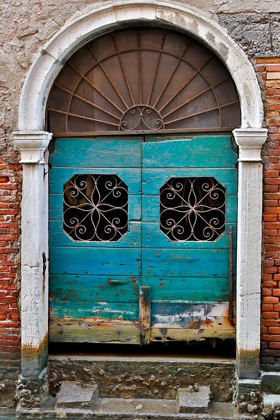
144,80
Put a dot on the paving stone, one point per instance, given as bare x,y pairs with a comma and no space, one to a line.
74,395
190,401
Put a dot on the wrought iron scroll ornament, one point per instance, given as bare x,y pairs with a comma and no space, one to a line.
141,117
95,208
192,209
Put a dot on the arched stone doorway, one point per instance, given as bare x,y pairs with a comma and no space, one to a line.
34,142
130,217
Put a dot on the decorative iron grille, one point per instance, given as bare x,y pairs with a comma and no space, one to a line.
192,209
95,208
145,79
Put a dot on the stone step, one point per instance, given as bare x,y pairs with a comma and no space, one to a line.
271,406
76,395
270,382
194,399
136,409
144,376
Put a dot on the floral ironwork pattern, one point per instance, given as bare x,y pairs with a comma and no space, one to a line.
95,208
192,209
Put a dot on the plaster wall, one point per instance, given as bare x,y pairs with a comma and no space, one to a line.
27,25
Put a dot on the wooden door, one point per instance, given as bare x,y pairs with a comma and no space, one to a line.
188,258
183,285
95,278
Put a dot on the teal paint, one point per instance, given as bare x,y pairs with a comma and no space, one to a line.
94,283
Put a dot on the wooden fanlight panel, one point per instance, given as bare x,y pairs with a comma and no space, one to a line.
142,80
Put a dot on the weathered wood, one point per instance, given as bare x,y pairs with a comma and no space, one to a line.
94,287
82,288
195,152
89,331
185,334
130,176
131,239
176,314
155,178
153,237
97,261
98,153
145,313
185,262
97,311
188,289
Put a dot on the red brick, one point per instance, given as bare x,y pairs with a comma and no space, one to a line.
267,284
266,292
274,345
274,330
267,307
271,322
267,60
276,292
272,67
270,315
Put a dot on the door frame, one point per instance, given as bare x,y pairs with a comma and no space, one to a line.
33,144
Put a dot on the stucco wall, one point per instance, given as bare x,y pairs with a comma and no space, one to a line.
25,27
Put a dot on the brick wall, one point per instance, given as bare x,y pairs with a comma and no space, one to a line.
268,70
10,191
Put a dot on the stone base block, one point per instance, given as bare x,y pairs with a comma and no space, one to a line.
193,400
74,395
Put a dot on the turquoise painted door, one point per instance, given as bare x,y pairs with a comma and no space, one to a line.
142,282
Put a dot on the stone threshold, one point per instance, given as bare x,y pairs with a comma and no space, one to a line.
138,409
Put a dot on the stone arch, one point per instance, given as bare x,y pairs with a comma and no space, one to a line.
33,142
75,34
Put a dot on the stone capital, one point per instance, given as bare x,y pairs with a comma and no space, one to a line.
32,145
250,142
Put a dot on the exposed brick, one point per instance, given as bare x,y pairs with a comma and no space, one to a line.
270,315
267,307
270,300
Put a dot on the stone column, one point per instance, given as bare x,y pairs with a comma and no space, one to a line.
249,246
34,252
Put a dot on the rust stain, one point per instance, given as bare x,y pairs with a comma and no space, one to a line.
28,351
249,357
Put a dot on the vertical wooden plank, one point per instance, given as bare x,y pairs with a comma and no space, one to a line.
145,314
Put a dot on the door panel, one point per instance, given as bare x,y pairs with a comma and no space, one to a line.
145,286
188,152
94,285
189,280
